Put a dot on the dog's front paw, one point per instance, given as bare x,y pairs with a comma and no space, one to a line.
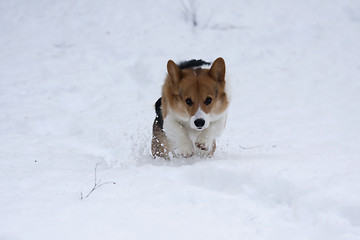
204,144
185,150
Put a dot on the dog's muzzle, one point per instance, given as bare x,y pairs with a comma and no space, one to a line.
200,120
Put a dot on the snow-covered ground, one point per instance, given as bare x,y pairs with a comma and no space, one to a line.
78,80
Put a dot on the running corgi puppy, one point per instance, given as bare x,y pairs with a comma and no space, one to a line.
191,112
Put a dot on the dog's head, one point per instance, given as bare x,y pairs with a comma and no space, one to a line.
197,95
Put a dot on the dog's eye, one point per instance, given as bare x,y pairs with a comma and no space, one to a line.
208,101
189,101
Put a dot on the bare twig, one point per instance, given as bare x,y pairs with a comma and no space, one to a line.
190,12
96,183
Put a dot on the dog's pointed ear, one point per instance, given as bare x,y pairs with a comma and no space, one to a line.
174,71
217,70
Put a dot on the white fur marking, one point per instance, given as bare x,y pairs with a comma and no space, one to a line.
200,114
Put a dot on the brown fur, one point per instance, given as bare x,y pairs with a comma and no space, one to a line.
159,143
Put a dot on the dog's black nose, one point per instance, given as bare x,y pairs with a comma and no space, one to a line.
199,123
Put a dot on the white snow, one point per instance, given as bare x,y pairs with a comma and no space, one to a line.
78,81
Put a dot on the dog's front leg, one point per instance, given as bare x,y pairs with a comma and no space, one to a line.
206,139
179,139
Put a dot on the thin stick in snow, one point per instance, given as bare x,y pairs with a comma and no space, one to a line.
96,183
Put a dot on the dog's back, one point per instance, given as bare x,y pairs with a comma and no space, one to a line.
159,144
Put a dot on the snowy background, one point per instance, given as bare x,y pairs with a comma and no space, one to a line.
78,81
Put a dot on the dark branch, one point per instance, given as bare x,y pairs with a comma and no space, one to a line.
96,183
